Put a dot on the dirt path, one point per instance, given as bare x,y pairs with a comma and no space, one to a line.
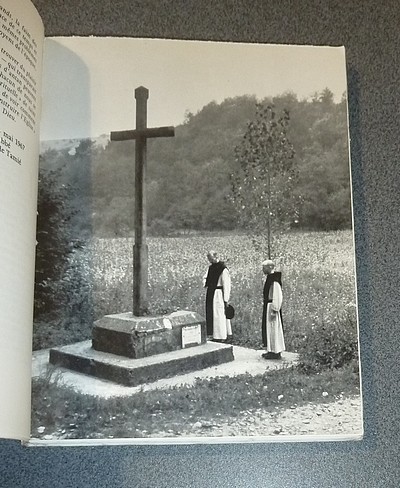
339,417
342,417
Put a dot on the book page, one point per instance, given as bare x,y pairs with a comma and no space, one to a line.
21,32
166,162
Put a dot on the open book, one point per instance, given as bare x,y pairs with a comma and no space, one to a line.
177,252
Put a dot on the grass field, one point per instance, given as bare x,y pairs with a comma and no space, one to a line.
317,268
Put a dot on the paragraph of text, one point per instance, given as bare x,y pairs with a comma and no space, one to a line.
18,91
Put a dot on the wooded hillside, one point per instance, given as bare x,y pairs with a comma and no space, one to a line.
189,176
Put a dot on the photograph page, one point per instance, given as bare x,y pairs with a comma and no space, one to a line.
195,265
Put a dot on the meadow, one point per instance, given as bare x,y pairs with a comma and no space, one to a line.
317,272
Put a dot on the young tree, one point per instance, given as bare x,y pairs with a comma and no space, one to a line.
263,184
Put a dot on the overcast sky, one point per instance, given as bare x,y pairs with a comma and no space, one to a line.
89,82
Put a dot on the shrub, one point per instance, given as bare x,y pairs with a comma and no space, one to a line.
330,344
53,240
71,315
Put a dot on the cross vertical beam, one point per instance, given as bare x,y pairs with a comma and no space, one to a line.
140,251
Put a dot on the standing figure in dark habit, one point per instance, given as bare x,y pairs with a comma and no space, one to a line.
272,329
218,283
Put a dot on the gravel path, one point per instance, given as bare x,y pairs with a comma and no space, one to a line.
342,417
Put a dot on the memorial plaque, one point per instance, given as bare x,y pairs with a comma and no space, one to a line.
191,335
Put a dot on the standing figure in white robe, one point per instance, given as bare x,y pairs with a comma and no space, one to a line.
218,283
272,328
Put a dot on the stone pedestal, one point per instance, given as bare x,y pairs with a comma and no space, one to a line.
134,350
138,337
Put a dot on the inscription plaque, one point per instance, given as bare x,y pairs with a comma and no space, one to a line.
191,335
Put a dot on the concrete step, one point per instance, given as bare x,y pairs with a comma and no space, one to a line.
246,361
83,358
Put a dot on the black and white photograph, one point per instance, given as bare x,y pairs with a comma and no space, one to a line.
195,276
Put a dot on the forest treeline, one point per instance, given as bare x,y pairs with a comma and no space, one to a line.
189,186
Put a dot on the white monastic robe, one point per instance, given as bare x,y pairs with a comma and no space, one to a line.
274,331
221,325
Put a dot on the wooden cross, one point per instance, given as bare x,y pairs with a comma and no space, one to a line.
140,252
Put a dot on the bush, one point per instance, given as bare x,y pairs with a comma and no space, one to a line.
330,344
53,240
71,315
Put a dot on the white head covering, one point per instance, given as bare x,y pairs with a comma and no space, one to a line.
268,262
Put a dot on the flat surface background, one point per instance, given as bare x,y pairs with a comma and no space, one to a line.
370,32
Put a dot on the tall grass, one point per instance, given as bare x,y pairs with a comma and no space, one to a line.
318,279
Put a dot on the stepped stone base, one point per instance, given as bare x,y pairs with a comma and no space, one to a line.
133,372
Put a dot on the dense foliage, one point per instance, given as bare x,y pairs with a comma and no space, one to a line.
189,176
62,292
330,343
54,238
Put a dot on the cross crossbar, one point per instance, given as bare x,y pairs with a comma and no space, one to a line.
125,135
